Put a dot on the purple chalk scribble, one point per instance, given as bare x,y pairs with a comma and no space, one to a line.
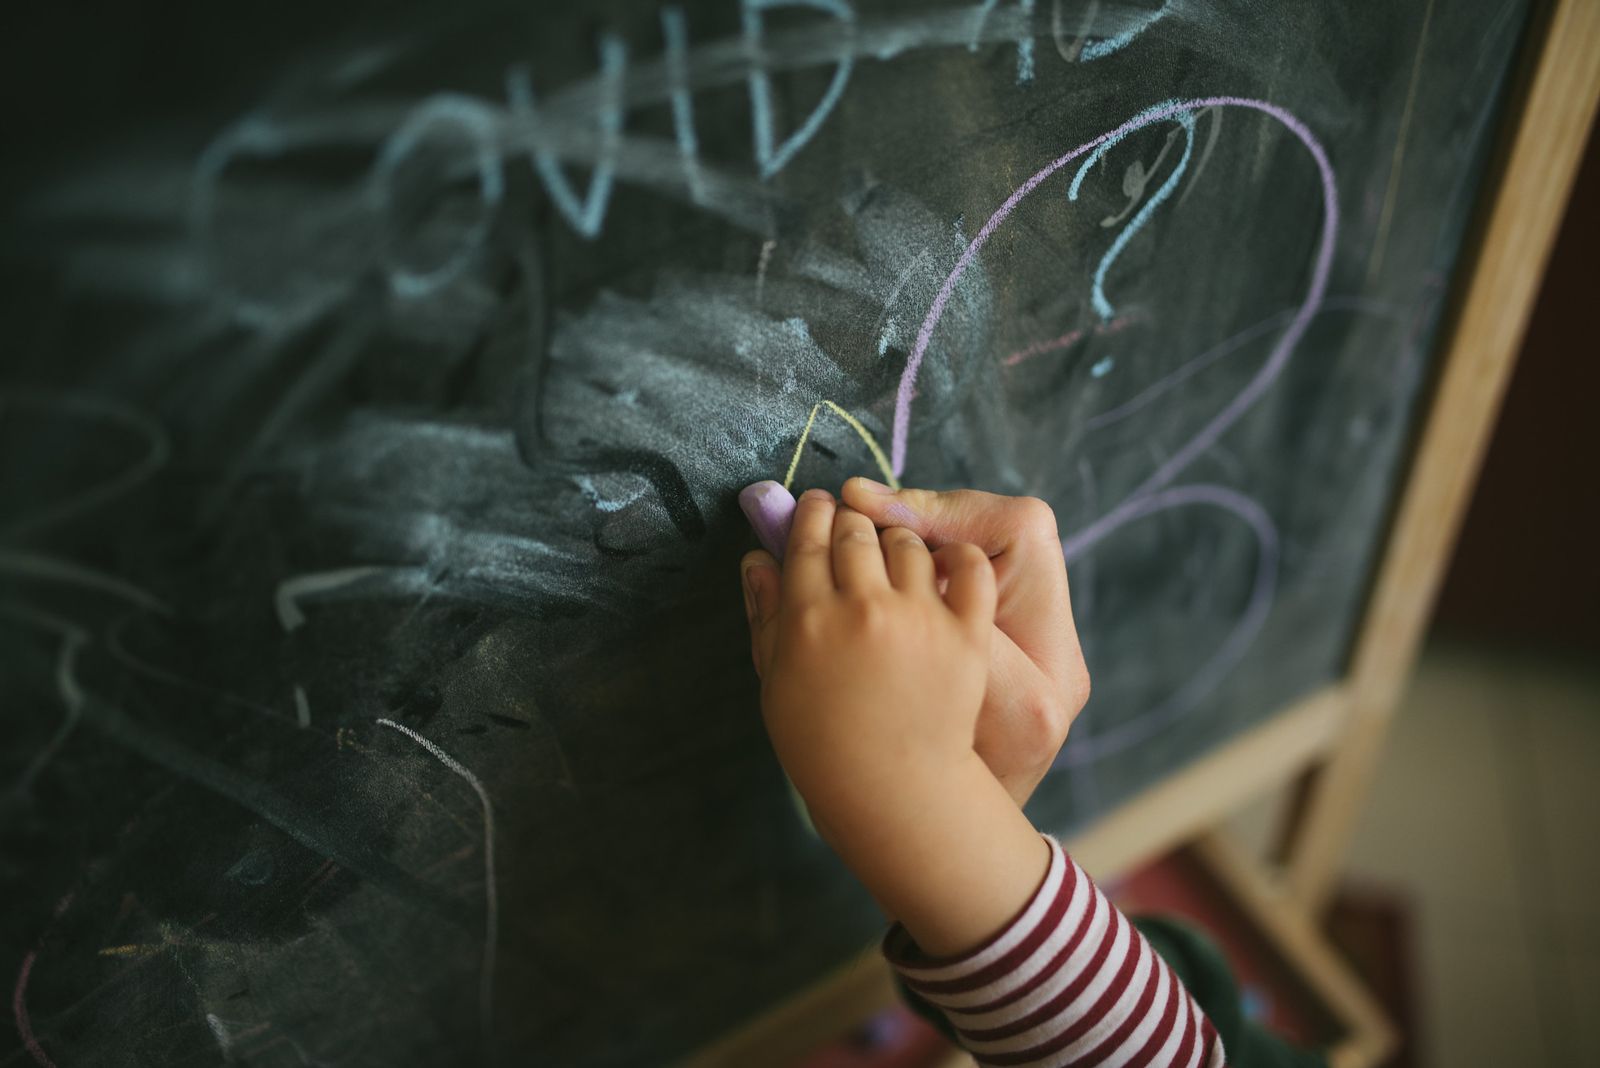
1257,385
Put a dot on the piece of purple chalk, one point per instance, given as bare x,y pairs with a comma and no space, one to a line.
770,509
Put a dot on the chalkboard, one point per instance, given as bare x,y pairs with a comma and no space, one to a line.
378,381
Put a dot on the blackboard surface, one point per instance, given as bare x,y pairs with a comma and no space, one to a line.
378,380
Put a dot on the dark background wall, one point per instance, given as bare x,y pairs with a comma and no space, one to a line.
1527,569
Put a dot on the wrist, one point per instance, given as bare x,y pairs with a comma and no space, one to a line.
867,799
945,849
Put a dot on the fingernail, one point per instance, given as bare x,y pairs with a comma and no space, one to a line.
770,509
749,591
872,486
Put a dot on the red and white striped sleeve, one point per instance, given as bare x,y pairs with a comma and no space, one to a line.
1069,981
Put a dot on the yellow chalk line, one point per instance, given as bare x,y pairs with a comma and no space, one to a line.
854,424
131,951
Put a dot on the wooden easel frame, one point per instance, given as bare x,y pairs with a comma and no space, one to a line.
1328,743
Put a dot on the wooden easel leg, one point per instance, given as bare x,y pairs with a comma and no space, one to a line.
1367,1037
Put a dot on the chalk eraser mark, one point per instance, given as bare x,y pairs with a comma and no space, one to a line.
770,509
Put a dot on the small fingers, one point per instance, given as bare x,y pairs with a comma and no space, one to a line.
971,591
906,557
857,561
808,559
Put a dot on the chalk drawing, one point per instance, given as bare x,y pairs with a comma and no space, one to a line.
752,57
771,158
1108,45
1098,294
1058,30
72,640
584,216
855,424
119,652
1187,697
251,135
19,1012
887,327
1214,128
1381,240
89,407
43,568
1067,340
305,826
675,30
603,503
761,266
219,1031
491,935
473,118
979,18
1275,361
1136,178
1025,47
287,598
1148,497
1224,348
1023,34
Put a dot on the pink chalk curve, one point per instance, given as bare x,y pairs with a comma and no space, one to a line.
19,1011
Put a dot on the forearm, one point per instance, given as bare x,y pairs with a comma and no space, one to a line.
943,848
1065,981
999,929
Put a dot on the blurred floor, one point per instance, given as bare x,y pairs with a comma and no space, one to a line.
1485,820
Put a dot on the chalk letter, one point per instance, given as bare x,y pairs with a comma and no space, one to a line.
587,215
1107,45
673,28
1024,23
471,116
769,158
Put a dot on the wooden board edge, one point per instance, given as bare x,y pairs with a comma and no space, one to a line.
1196,798
844,999
1491,315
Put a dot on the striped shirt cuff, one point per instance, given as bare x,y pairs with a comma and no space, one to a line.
1069,981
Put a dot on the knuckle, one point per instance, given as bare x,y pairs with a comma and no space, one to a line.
871,616
1035,515
965,555
1048,722
809,623
901,538
1078,689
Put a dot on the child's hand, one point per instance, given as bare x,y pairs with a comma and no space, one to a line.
1037,679
868,675
871,683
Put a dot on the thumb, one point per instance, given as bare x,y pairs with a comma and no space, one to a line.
993,523
763,592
